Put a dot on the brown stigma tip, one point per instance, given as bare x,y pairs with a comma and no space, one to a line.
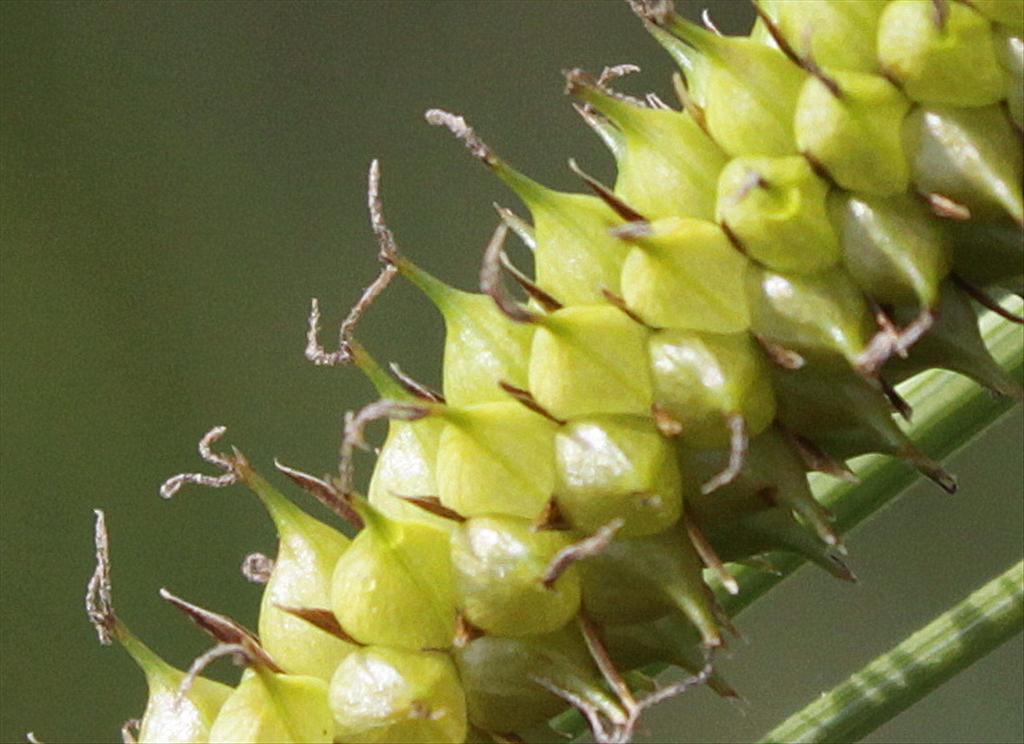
658,12
99,603
457,125
257,568
230,476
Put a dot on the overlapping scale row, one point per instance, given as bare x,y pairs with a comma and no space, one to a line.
819,222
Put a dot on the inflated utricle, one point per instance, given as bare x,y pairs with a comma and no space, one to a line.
837,197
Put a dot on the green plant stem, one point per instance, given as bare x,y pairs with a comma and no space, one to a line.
899,678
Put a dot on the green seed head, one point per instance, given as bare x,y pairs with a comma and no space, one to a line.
169,716
748,91
667,164
954,343
892,247
641,579
301,578
502,678
1010,46
482,346
820,315
841,33
1008,12
406,467
971,156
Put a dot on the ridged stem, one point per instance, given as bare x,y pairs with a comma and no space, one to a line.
899,678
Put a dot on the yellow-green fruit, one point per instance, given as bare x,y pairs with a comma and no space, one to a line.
749,92
496,458
170,717
576,256
393,586
499,565
301,578
854,133
667,164
841,33
382,695
972,156
892,247
702,379
685,273
482,346
269,708
941,54
500,676
406,467
590,359
645,578
818,315
775,207
617,467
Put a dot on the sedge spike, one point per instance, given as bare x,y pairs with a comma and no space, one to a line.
635,420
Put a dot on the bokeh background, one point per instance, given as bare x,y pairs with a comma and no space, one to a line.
178,179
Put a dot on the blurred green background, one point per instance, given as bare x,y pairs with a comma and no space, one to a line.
178,179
